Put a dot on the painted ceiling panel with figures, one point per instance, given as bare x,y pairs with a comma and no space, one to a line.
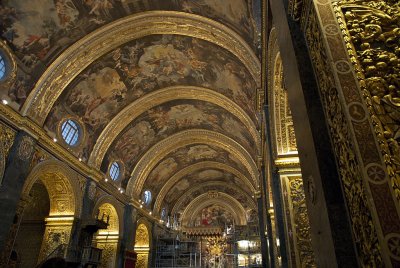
186,156
40,30
143,66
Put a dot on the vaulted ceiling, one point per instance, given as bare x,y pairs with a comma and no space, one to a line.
170,89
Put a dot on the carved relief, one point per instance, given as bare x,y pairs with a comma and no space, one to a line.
362,226
301,222
26,148
7,139
54,237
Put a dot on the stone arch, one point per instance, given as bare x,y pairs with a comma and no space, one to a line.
210,198
62,184
193,136
201,165
107,239
136,108
75,59
142,242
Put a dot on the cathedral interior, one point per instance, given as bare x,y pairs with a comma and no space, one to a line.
199,133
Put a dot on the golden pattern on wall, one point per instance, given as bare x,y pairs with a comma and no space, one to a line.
355,193
373,28
142,245
301,223
7,135
284,130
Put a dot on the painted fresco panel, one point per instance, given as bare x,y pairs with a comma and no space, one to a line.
39,30
184,157
143,66
213,215
162,121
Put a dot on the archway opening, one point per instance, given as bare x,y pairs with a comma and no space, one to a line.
107,239
142,246
32,227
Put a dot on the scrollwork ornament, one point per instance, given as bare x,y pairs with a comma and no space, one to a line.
26,148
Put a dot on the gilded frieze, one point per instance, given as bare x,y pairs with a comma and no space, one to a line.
350,171
7,135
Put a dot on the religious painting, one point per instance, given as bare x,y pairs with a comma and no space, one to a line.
189,155
40,30
145,65
224,183
164,120
214,215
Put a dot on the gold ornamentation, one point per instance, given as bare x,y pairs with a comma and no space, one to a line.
373,42
193,136
192,168
203,201
355,193
183,201
26,148
301,222
7,135
135,109
81,54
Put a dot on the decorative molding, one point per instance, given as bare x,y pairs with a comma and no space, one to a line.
7,135
170,182
194,136
136,108
81,54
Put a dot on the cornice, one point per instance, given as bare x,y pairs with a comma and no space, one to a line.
192,168
136,108
194,136
81,54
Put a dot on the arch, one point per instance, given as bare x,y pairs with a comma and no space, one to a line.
193,136
78,56
142,242
211,198
113,206
10,68
179,203
62,184
187,170
136,108
108,239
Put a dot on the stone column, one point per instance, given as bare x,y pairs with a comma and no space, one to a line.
127,242
15,174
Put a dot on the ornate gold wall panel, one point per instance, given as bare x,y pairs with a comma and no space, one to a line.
368,190
298,222
78,56
142,245
170,182
7,135
132,111
193,136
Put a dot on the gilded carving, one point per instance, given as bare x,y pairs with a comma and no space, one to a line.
26,148
374,48
301,222
74,60
7,139
361,219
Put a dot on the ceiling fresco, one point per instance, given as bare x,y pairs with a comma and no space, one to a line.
185,156
226,183
143,66
213,215
40,30
164,120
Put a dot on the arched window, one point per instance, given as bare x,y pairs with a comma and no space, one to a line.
147,197
70,132
2,67
115,171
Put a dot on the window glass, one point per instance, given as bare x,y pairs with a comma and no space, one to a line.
147,197
2,67
114,171
70,132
